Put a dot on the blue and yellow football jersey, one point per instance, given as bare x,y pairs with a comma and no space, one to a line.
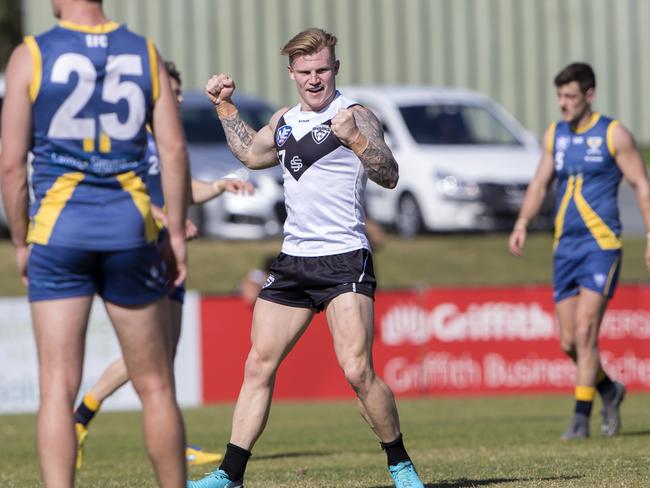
153,181
93,91
587,185
587,226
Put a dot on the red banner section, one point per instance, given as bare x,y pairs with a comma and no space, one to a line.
437,341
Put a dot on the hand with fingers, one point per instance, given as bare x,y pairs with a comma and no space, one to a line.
344,126
219,88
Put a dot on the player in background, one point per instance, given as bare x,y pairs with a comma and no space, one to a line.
587,153
79,96
327,145
116,375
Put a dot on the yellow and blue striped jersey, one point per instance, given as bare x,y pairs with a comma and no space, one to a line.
587,184
93,91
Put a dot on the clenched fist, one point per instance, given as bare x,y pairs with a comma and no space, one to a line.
345,127
219,88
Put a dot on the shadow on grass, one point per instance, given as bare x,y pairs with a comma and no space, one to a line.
283,455
467,483
638,433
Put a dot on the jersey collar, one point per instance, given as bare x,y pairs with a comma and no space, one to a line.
90,29
593,120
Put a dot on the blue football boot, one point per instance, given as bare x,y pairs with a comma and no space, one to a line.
405,476
216,479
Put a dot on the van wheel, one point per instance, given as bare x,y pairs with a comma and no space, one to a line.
409,218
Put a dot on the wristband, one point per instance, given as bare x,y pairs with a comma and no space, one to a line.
226,109
360,144
521,224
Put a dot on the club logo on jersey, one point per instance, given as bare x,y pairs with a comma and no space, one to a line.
594,152
296,164
269,281
563,143
320,132
282,135
599,279
594,144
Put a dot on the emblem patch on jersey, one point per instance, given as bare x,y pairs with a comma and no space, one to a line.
296,164
282,135
599,279
594,144
563,143
269,281
320,132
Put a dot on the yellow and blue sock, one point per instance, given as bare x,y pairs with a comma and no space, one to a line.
585,399
87,409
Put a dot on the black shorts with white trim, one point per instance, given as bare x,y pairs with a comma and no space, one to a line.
311,282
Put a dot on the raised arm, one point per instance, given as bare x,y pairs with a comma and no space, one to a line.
631,163
360,130
535,194
255,149
16,139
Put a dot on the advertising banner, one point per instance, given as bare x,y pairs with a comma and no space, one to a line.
19,365
438,341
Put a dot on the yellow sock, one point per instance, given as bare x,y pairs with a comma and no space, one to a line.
91,402
585,393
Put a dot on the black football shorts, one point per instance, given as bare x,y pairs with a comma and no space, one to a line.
311,282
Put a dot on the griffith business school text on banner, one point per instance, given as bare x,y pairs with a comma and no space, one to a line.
440,341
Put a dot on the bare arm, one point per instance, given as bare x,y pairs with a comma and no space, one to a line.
631,164
255,149
203,191
360,130
172,150
535,194
16,139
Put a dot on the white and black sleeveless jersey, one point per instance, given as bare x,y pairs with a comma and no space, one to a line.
324,183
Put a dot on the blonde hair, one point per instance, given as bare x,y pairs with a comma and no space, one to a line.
309,41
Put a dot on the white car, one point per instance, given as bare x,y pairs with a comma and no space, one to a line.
464,161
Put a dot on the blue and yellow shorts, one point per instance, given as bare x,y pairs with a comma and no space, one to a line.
595,270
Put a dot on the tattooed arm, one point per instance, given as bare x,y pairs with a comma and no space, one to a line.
256,150
360,130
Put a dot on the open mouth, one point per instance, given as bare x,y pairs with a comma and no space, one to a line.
316,90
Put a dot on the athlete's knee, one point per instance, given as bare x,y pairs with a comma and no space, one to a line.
59,385
153,387
259,368
586,335
60,396
358,373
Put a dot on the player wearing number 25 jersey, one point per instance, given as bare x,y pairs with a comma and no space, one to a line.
93,92
89,169
79,97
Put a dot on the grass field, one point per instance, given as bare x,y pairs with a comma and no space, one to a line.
509,442
472,259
